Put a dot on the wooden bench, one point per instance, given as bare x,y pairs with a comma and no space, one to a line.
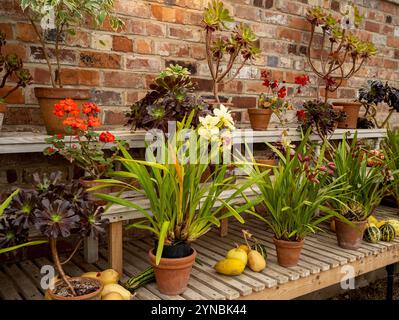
11,143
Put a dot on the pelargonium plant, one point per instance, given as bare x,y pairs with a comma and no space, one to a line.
275,97
86,148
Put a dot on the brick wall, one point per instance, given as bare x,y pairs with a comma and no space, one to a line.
120,65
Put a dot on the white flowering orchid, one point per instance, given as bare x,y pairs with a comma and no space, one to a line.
208,127
224,117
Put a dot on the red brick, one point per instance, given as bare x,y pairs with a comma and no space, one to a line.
244,102
155,29
122,44
143,46
41,76
165,14
134,96
372,26
16,97
112,117
100,60
234,86
198,52
80,39
203,84
6,28
18,49
136,9
145,64
391,64
26,32
115,79
80,77
248,13
299,23
255,86
346,93
290,34
393,42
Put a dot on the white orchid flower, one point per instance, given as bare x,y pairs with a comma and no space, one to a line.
223,115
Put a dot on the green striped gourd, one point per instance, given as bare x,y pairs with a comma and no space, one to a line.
372,234
261,249
140,279
387,232
395,224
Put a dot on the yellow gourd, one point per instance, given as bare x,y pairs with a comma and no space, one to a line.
256,262
238,254
245,248
109,276
113,296
112,287
230,267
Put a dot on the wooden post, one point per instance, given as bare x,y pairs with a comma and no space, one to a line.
115,246
90,249
224,227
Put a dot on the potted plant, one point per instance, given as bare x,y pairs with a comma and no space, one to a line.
321,117
58,19
181,208
338,45
241,43
293,197
11,66
273,102
373,94
391,152
367,187
58,210
85,150
170,98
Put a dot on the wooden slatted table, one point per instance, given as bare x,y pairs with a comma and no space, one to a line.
320,266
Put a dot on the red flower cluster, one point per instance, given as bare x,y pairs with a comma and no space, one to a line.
302,81
311,173
66,107
106,137
90,108
301,115
273,85
70,109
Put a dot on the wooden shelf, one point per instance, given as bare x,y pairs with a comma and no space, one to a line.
24,142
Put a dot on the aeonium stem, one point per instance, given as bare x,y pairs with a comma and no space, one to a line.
57,262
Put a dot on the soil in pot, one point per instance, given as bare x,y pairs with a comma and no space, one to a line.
260,118
288,252
349,237
172,274
48,97
85,288
351,110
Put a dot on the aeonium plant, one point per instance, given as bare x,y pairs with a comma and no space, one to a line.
57,210
85,148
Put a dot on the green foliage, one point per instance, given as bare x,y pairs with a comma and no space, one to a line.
367,186
391,153
216,16
296,191
182,208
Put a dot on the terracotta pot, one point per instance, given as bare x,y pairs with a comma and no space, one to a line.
352,113
3,110
259,118
288,252
48,97
87,184
172,275
268,162
96,295
349,237
332,225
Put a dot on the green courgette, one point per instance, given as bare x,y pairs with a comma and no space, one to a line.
138,280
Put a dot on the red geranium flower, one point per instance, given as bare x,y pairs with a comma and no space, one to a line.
302,80
75,123
90,107
301,115
106,137
282,93
93,121
274,84
67,106
60,136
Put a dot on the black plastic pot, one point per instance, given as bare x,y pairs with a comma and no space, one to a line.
178,249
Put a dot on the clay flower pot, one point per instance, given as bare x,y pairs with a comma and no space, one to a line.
268,162
259,118
172,274
96,295
48,97
352,113
87,184
349,237
3,110
288,252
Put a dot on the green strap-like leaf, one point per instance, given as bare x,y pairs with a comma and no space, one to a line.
31,243
7,202
161,241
